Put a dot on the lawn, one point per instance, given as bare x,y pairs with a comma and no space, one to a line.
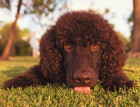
62,95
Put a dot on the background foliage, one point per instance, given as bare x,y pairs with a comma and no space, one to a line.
20,45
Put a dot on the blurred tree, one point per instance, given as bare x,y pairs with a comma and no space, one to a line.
136,29
25,34
130,19
7,50
127,42
19,40
40,8
4,32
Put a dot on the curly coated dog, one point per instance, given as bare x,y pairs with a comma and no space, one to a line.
79,50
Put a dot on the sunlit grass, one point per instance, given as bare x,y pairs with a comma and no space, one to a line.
61,95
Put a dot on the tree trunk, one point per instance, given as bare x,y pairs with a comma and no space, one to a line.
135,52
7,50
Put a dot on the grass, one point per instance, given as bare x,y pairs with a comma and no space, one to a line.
61,95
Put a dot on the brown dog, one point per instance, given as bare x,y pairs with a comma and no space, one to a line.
80,49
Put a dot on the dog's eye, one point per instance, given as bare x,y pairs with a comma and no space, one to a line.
93,47
68,46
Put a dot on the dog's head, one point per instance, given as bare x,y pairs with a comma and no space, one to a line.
81,49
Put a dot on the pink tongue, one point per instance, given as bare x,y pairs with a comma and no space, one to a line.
85,90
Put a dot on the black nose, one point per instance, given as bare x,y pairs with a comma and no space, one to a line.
82,77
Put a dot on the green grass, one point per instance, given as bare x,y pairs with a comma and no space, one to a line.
62,95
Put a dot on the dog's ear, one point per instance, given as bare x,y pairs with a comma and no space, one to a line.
113,57
51,56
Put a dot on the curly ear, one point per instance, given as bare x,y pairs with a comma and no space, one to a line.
113,59
51,56
114,55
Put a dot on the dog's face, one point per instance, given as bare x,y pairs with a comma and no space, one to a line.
81,49
82,63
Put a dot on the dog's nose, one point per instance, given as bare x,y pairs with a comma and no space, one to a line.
82,77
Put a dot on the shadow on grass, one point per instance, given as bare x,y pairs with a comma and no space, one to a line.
12,72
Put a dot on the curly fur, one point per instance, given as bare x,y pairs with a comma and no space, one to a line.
78,27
